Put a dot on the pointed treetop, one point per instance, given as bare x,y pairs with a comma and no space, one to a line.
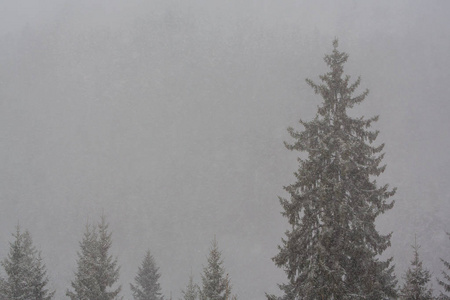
215,285
335,43
417,279
191,291
97,270
335,60
26,275
146,285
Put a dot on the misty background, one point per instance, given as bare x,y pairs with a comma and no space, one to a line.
169,117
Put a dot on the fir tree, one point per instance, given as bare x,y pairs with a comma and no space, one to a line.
216,286
26,273
147,286
85,285
332,248
445,282
191,292
107,271
40,280
97,270
416,286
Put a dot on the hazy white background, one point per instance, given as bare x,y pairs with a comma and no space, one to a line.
169,117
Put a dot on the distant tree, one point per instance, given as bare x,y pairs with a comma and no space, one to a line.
85,285
216,285
26,275
40,280
332,248
417,279
108,270
97,270
191,292
147,286
445,282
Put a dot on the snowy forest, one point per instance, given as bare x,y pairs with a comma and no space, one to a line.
224,150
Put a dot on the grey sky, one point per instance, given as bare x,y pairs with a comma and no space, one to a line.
170,117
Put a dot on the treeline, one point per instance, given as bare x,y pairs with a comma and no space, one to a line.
25,275
96,277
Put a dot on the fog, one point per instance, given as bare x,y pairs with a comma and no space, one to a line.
169,118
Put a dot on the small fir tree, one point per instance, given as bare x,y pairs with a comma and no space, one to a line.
108,270
16,265
445,282
191,292
26,273
216,286
417,279
147,286
97,270
40,280
332,248
85,285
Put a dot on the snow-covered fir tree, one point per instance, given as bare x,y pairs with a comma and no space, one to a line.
97,271
108,270
332,248
146,285
40,280
26,275
85,285
191,291
417,280
215,284
445,281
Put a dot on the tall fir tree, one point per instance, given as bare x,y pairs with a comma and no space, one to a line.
26,275
445,282
417,280
216,285
97,271
147,286
332,248
191,291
